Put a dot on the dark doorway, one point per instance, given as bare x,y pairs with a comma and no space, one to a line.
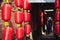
35,18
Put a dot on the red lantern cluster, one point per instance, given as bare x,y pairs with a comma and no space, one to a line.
6,15
57,23
57,17
19,17
27,27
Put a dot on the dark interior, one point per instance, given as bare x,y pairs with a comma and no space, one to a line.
35,19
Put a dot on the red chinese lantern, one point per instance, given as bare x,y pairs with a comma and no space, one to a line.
19,3
57,27
57,16
57,3
19,17
27,28
42,18
6,12
20,33
27,5
7,33
26,17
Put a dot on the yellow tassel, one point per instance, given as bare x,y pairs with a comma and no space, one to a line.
57,10
6,1
19,8
58,35
18,25
28,35
57,22
26,22
25,11
28,10
6,23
